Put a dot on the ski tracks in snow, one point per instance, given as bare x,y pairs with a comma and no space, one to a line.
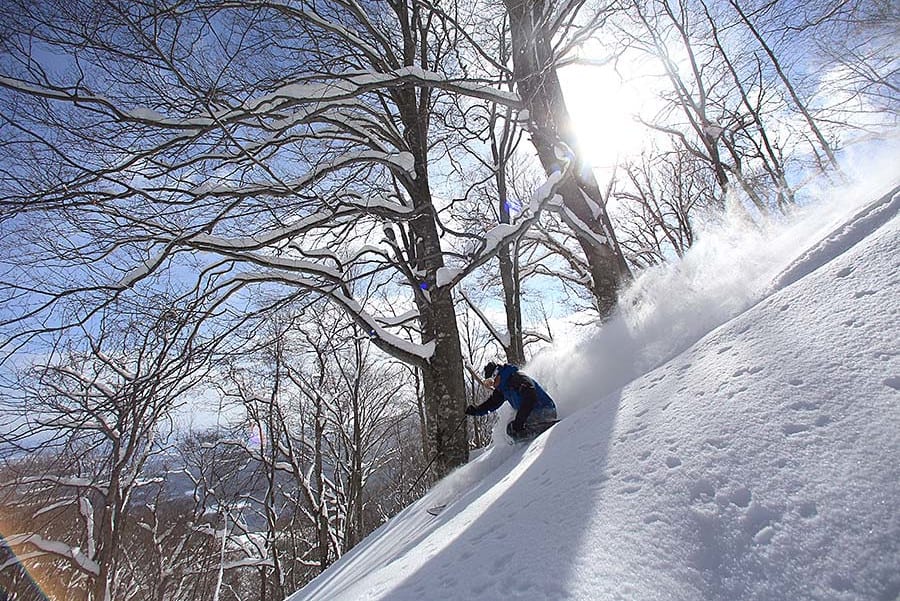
841,239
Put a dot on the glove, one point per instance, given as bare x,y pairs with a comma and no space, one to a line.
471,410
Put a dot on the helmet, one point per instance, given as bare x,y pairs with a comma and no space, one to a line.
490,369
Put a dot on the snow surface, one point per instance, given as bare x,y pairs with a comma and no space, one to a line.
742,446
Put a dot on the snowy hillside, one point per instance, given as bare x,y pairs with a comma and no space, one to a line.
759,460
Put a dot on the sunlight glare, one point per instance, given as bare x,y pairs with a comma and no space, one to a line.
604,111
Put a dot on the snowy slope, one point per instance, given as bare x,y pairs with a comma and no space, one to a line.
762,462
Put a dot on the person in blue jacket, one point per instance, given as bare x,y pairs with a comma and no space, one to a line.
533,405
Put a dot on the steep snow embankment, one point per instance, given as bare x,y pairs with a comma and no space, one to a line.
761,463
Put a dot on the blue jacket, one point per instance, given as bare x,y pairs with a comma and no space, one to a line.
514,383
520,391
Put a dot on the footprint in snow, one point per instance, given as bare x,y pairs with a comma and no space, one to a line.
760,522
892,382
807,509
747,370
719,443
741,497
844,272
804,406
702,491
633,484
791,429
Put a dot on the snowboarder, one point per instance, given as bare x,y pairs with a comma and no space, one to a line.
535,410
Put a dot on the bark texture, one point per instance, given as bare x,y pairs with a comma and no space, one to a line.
584,209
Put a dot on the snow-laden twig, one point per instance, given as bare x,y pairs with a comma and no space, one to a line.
353,84
58,549
67,481
502,233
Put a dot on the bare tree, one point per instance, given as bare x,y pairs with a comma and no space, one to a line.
228,550
856,59
535,27
168,550
701,92
742,96
99,413
320,406
662,196
799,103
245,150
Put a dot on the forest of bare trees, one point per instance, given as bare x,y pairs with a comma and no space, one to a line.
254,253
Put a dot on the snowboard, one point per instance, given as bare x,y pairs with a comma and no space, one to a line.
532,431
437,509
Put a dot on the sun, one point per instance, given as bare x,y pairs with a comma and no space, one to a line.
604,108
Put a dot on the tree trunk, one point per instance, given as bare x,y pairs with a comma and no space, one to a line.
509,253
107,532
354,529
321,507
584,207
509,276
442,375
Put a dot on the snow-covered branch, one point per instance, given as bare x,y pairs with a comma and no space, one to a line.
502,233
57,549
